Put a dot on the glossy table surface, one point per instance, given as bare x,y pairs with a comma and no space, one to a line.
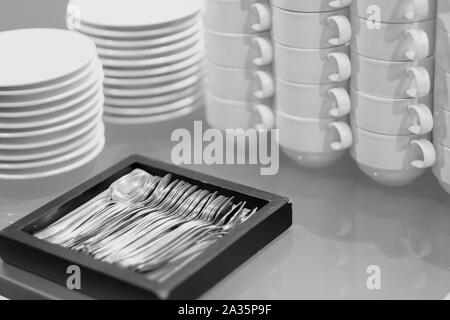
343,225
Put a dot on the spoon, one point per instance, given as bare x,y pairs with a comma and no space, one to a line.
157,198
116,192
129,188
148,224
141,229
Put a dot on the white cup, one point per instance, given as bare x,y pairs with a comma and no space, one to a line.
311,5
393,80
313,143
392,116
235,16
324,101
443,14
394,41
442,89
398,11
226,114
240,84
392,160
311,30
238,50
442,126
312,66
443,49
442,167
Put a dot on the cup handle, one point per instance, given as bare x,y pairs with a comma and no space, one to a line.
426,121
421,80
343,103
266,83
417,9
344,30
420,44
337,4
266,115
429,154
265,48
264,15
345,136
344,67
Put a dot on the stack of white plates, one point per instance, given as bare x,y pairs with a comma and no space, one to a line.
151,52
51,103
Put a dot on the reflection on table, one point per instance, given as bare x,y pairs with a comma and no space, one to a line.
343,224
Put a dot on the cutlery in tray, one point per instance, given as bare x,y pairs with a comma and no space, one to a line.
147,230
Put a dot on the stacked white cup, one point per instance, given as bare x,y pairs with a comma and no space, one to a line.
393,50
239,56
312,66
442,96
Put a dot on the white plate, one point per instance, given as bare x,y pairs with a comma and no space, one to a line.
130,112
138,64
133,13
154,91
68,86
41,57
56,86
164,50
60,169
153,119
53,150
123,83
121,34
52,140
148,43
14,134
114,73
53,107
54,160
49,119
153,101
93,79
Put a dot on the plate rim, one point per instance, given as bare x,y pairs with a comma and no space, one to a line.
45,174
90,50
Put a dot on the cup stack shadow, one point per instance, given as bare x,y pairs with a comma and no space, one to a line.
312,71
239,56
442,99
393,47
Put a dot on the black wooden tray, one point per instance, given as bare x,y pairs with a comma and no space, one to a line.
20,248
